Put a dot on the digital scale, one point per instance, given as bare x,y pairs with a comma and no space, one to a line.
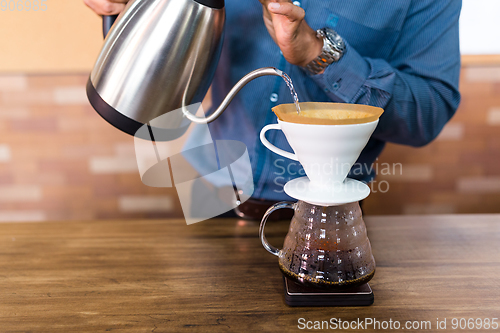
300,295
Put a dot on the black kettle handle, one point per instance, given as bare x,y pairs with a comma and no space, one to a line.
107,23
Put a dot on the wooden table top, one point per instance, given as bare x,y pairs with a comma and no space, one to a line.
215,276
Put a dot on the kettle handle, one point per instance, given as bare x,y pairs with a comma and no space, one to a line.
271,249
107,23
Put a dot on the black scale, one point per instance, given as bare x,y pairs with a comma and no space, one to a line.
299,295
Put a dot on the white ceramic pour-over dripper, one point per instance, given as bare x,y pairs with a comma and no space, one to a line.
327,153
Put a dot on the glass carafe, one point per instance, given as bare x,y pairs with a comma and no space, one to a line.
326,246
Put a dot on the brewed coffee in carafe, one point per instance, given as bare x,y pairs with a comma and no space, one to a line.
326,246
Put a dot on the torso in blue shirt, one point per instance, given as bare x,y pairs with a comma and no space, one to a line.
371,31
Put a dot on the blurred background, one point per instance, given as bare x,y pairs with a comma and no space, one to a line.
60,161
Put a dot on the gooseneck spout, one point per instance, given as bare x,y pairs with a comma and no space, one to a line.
237,87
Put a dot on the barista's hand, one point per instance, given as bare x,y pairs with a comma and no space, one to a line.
286,25
106,7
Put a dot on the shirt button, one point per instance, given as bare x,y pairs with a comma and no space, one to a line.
336,86
296,3
274,97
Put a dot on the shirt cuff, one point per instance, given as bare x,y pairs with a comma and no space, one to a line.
344,79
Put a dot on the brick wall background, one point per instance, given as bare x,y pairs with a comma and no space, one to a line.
460,171
60,161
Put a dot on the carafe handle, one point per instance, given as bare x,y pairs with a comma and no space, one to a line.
271,249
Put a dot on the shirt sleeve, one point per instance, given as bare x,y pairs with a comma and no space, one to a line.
417,87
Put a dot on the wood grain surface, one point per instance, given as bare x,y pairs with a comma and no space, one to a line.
214,276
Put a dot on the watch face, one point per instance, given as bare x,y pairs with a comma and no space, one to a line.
335,39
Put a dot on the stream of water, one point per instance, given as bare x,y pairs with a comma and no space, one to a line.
289,83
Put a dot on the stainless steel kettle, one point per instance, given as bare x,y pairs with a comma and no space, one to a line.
161,56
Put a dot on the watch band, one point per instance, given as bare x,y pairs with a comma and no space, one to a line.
333,49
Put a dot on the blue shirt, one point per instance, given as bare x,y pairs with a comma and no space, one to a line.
401,55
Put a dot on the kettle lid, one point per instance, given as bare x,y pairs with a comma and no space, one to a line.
219,4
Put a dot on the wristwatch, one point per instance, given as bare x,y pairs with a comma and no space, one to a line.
333,50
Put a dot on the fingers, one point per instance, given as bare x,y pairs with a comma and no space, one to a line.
292,12
265,4
106,7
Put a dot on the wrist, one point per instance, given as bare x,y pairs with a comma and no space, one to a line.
312,48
